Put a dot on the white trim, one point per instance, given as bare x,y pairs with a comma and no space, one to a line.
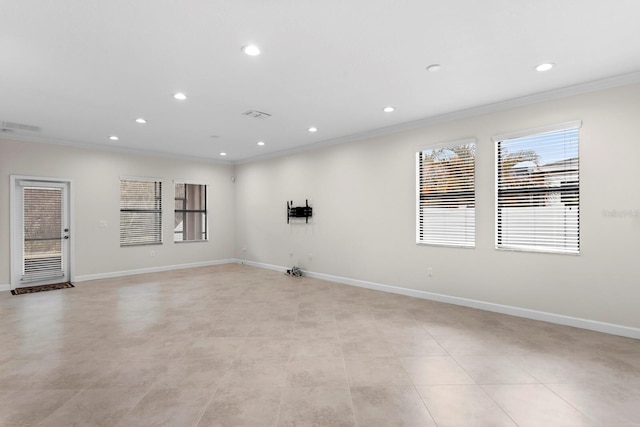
565,92
261,265
206,209
141,178
448,144
435,146
113,149
189,181
152,270
163,190
579,89
72,228
14,244
495,194
13,240
575,124
417,199
559,129
5,288
560,319
41,178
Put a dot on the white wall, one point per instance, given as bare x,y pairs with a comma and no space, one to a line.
363,227
95,179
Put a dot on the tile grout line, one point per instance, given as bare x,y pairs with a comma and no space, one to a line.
206,406
61,406
590,418
424,403
133,407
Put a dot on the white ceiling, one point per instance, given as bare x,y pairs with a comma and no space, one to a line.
83,70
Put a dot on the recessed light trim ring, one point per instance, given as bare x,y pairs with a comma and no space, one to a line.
251,50
545,66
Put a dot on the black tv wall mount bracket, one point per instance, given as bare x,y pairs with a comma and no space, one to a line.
305,211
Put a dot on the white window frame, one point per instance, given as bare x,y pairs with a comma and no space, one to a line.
161,211
532,247
451,241
206,210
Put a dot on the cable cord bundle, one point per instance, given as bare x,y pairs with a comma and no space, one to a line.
294,271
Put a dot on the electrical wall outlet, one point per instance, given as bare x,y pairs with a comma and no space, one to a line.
430,272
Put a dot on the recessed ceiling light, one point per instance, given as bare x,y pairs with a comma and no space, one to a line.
180,96
141,120
434,67
312,129
545,67
260,143
388,109
114,138
251,50
223,154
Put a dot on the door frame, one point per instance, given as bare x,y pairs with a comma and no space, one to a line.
14,269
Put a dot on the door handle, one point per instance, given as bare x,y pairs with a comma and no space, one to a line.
66,237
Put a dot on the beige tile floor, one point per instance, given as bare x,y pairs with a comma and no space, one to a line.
239,346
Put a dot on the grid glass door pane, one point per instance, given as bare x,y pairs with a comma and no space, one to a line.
43,234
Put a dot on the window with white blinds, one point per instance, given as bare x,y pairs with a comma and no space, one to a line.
446,213
190,213
538,191
140,212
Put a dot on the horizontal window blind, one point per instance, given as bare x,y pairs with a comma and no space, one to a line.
190,212
446,195
43,254
538,192
140,212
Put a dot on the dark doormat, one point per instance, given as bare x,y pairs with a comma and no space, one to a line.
42,288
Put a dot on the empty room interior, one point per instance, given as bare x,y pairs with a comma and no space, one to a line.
337,213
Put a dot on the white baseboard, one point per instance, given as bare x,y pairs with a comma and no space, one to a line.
113,274
560,319
261,265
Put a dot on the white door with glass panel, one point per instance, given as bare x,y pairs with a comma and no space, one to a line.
41,233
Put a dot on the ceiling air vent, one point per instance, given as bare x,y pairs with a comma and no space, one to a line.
12,126
256,114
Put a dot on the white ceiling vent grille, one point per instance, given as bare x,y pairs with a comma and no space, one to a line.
12,126
256,114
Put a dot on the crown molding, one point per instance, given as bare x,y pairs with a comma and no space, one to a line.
564,92
109,148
